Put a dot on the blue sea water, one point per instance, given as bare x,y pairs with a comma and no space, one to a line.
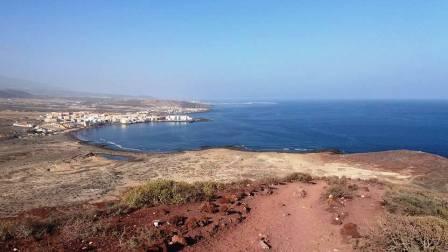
349,126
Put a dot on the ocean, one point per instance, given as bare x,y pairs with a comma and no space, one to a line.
347,126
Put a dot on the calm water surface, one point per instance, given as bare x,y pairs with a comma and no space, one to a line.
355,126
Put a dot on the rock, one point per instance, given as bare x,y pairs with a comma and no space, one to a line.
350,230
157,223
223,208
246,209
208,207
192,223
90,154
177,220
268,191
180,240
224,200
336,219
264,244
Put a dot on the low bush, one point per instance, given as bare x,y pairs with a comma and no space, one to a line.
6,230
27,228
169,192
340,187
209,189
415,202
408,233
298,177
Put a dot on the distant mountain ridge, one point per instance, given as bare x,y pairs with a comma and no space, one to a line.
41,89
13,93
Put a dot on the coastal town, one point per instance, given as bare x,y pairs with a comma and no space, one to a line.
55,122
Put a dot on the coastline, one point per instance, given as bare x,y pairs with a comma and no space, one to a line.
60,169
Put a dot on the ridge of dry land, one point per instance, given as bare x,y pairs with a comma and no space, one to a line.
57,170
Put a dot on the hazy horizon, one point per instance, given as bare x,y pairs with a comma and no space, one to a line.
230,50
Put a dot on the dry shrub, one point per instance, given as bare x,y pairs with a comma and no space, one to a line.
169,192
269,181
415,202
340,187
81,225
27,228
209,189
118,209
298,177
6,230
143,238
408,233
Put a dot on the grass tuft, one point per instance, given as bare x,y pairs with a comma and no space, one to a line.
169,192
340,187
416,203
298,177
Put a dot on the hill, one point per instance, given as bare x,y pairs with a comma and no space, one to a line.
13,93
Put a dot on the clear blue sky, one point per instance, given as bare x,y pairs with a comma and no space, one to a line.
230,49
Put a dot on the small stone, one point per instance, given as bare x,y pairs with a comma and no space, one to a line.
15,249
264,245
177,220
208,207
90,243
177,239
268,191
336,220
157,223
223,208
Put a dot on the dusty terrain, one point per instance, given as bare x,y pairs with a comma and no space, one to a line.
288,222
282,217
57,170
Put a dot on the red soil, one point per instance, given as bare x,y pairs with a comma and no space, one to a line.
288,222
291,217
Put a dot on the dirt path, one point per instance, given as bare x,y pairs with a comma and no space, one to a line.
290,222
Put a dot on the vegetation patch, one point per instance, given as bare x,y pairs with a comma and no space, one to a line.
169,192
416,203
340,188
27,228
298,177
409,233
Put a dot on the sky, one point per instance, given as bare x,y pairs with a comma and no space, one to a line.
231,49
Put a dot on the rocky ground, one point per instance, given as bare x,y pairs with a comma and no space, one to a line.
57,170
296,216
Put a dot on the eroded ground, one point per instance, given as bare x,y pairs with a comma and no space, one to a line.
57,170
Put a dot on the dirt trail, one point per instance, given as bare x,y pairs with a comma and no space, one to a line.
290,222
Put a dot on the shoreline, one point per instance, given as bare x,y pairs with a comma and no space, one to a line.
60,169
72,135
